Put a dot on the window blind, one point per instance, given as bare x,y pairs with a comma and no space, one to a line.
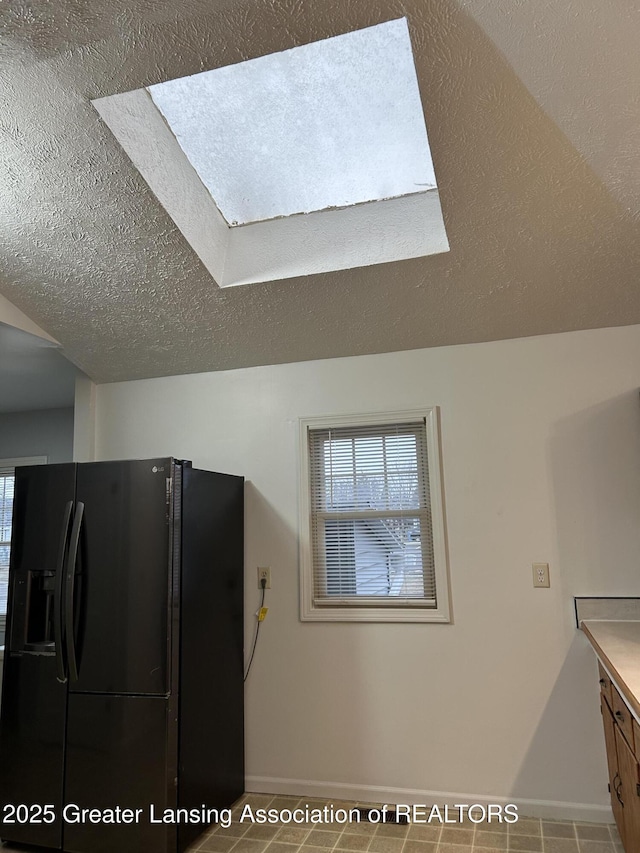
371,526
6,511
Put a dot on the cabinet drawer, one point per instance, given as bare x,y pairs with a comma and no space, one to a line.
605,684
623,717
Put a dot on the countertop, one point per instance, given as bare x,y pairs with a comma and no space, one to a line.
617,645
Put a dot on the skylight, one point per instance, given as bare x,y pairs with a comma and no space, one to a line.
319,153
329,124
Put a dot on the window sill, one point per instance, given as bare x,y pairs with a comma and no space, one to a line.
374,614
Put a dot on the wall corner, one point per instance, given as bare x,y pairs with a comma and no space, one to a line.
84,421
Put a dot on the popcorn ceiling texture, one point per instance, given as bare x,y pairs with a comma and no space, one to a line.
538,199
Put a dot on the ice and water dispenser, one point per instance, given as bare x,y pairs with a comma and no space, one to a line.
40,593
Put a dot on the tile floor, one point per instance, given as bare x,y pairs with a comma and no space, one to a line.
527,834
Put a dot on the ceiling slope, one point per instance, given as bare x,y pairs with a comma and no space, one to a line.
534,142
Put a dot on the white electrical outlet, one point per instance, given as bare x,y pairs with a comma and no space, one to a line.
264,572
541,575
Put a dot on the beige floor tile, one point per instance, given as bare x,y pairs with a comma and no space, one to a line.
246,845
279,847
493,826
361,828
412,846
420,847
588,846
487,838
593,831
352,841
525,826
558,829
424,832
525,843
560,845
615,835
262,832
456,835
384,844
527,835
322,838
217,843
309,848
291,834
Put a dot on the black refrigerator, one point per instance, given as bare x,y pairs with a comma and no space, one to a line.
123,668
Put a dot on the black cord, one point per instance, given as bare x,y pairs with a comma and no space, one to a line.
263,581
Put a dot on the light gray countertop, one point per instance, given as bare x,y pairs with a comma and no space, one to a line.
617,645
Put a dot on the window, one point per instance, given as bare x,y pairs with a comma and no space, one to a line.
7,480
372,521
6,512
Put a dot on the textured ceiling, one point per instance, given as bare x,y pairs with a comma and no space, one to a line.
533,112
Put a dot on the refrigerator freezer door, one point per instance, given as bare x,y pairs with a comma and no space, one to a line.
123,578
31,750
117,758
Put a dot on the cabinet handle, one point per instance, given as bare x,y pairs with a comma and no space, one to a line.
615,786
603,682
620,716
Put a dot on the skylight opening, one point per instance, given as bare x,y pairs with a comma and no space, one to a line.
329,124
320,153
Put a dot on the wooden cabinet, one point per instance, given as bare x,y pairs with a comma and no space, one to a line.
612,766
629,773
605,683
622,738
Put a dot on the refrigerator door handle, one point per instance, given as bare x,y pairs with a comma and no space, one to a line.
69,615
58,593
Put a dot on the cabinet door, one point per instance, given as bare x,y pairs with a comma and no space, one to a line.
615,782
623,717
605,684
630,776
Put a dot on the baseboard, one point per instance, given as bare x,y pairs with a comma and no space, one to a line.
551,810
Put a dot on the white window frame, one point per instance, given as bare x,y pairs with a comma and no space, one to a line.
408,611
8,466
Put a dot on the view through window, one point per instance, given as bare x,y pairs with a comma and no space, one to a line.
7,492
370,503
7,480
372,523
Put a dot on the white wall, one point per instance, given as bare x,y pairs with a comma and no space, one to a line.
47,432
541,448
